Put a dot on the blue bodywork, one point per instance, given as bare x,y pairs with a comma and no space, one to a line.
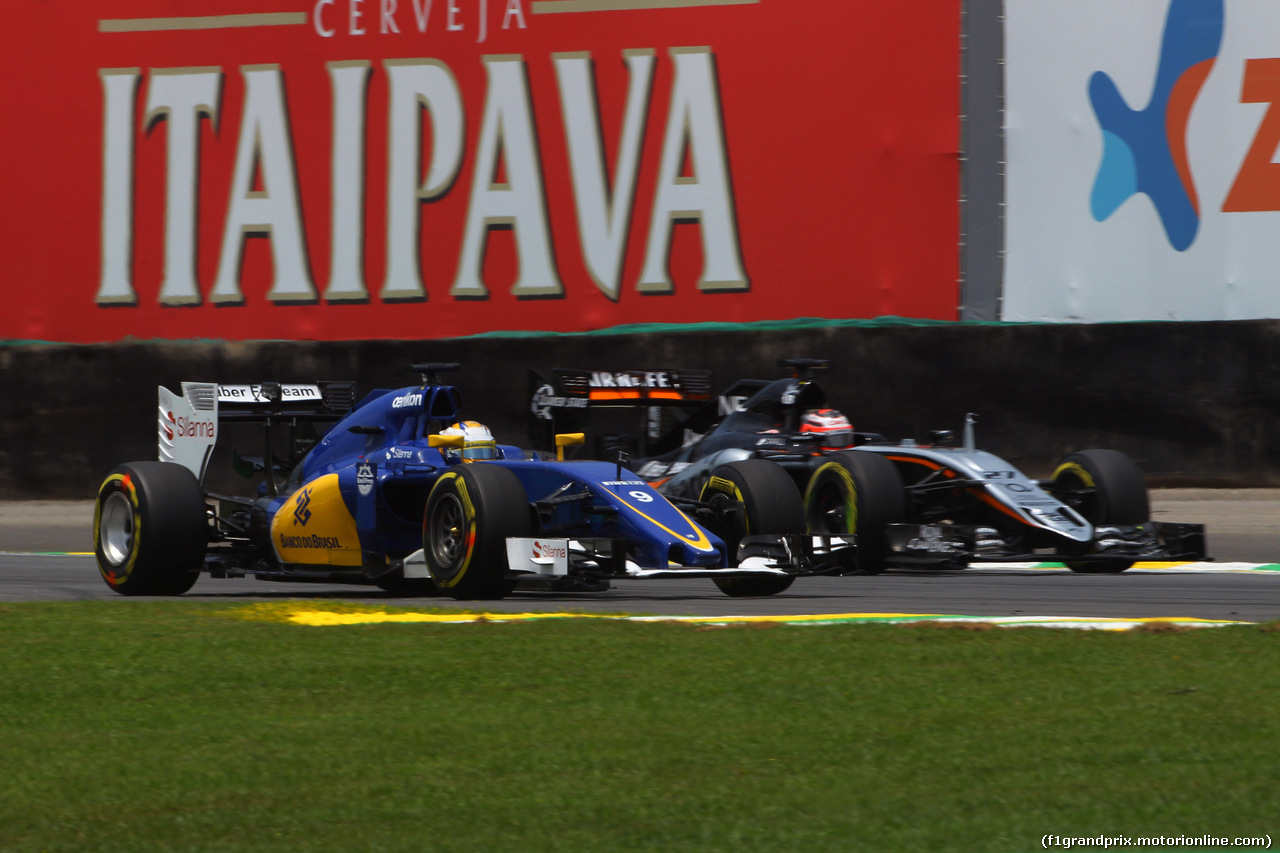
383,442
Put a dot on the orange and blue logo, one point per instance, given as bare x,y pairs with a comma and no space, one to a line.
1145,151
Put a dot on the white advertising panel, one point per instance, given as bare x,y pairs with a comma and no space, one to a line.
1143,176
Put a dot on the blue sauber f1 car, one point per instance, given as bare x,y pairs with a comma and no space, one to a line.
402,494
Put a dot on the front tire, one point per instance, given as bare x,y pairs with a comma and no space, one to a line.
771,505
470,513
150,529
1105,487
859,493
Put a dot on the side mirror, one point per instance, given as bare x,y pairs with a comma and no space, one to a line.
454,441
942,437
565,439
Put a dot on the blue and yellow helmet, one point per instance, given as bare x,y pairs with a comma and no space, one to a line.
477,441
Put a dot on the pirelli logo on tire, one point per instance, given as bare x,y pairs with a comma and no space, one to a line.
728,487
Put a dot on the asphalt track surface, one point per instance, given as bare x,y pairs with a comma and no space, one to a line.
1243,527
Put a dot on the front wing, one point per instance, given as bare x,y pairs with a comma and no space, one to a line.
783,555
1154,541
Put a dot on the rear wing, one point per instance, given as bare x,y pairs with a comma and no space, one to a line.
189,423
579,389
315,401
562,404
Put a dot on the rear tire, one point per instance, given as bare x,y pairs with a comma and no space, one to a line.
771,505
861,493
150,529
1105,487
470,513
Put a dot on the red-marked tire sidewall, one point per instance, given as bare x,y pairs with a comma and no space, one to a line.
150,529
470,513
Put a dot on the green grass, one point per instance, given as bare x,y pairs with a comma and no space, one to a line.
168,726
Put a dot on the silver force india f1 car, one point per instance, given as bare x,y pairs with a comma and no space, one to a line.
402,494
909,504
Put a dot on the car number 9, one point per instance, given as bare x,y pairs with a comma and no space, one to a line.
642,497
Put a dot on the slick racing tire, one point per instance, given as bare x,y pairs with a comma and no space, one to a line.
860,493
150,529
771,504
1105,487
470,513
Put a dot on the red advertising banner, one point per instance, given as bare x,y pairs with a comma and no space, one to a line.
351,169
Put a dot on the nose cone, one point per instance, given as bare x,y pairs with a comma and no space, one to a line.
686,555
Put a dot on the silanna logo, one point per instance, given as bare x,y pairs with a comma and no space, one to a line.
1145,151
185,427
549,550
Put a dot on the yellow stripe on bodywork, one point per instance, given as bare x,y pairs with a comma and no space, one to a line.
699,541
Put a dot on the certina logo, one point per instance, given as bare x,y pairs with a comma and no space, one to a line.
310,542
405,400
1145,151
184,427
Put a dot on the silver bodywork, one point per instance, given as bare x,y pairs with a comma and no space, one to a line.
1001,481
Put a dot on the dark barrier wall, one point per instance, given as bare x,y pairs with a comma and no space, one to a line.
1193,403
